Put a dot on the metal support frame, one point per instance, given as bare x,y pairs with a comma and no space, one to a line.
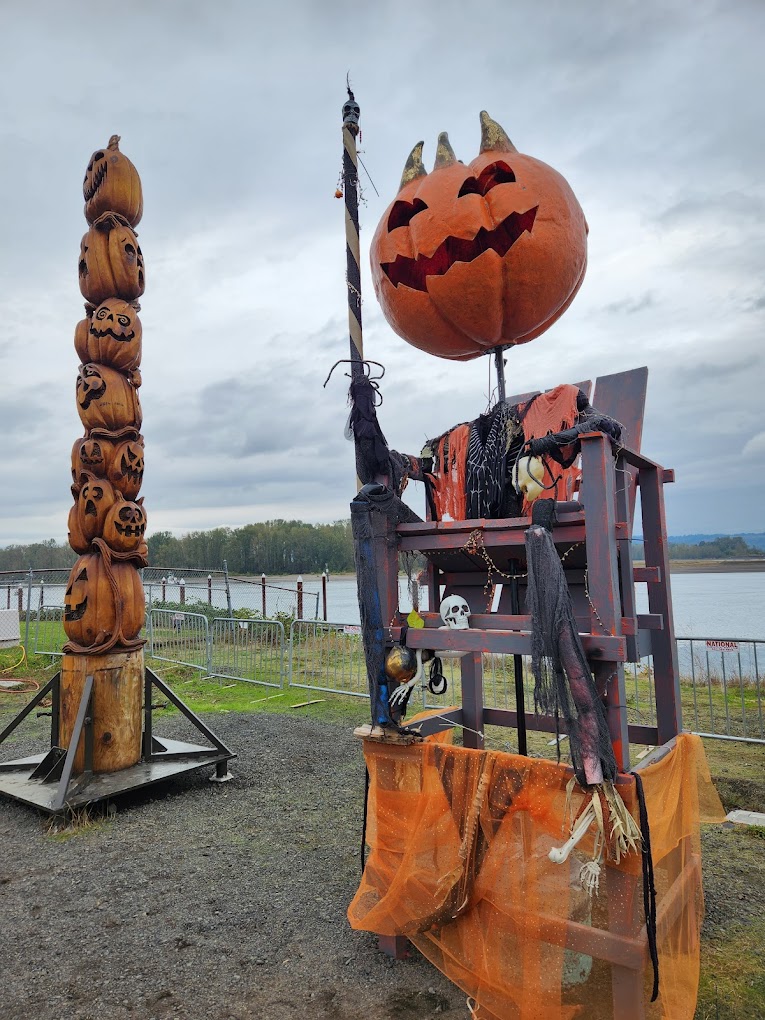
31,779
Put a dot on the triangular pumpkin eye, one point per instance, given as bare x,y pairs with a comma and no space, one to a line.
402,212
490,177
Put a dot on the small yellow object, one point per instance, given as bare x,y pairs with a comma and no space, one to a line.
528,477
338,193
415,620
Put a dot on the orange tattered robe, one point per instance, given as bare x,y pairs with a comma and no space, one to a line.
459,864
553,411
448,486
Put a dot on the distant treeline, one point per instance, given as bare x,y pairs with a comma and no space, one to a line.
727,547
292,547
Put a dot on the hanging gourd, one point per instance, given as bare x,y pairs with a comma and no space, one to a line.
468,258
111,261
110,334
112,184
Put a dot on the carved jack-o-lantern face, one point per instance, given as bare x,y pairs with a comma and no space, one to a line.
111,261
468,258
107,401
90,457
126,470
111,335
88,515
91,614
125,525
112,184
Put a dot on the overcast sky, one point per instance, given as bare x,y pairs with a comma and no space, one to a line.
652,110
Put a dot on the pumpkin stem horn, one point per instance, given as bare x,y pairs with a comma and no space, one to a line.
493,136
414,166
444,152
114,142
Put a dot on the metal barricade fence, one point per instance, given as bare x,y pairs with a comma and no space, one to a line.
327,657
178,637
249,650
49,635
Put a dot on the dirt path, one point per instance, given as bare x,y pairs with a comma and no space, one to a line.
208,902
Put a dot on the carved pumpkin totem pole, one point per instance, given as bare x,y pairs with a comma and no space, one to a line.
104,601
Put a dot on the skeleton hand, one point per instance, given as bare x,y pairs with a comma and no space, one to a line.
400,695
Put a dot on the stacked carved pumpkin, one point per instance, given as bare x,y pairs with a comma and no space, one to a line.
104,601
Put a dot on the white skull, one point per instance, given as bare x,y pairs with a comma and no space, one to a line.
455,612
528,477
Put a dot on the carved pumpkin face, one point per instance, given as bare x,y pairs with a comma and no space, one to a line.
112,184
111,261
125,525
88,515
111,335
107,401
90,610
468,258
126,470
90,457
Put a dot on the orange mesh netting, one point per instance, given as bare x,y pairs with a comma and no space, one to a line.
553,411
458,863
449,478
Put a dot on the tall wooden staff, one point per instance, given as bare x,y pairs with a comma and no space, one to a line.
104,604
351,112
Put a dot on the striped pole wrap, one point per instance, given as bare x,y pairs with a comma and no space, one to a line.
352,247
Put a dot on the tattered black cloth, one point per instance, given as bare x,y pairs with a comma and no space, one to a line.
371,505
375,461
563,682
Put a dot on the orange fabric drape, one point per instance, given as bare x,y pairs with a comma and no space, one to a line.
449,480
553,411
458,863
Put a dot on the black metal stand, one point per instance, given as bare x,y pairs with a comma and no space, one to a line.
46,780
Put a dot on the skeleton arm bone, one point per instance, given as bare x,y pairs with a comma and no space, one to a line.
401,694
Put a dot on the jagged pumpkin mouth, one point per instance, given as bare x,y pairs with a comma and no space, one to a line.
413,273
76,612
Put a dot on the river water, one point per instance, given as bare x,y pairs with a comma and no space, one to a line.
714,605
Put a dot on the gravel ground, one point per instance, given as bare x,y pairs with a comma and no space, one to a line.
205,902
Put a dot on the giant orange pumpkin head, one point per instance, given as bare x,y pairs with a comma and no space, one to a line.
112,184
468,258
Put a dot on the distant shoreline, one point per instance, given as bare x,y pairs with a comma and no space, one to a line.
675,567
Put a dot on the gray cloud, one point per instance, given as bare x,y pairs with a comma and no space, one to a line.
232,116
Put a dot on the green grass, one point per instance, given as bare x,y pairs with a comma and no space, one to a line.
732,983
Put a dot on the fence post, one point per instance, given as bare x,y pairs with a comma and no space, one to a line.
263,594
42,592
182,591
209,589
324,594
151,630
29,612
164,589
228,589
209,647
299,597
20,596
9,597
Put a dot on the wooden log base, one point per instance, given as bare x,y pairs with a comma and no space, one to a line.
381,735
118,680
